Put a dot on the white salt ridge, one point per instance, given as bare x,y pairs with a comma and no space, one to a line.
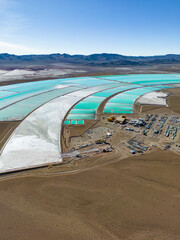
2,72
154,98
18,74
36,141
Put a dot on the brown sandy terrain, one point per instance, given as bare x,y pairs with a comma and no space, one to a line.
134,199
174,100
6,129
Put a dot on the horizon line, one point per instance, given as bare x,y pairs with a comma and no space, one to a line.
80,54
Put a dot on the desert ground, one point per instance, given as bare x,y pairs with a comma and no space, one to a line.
132,199
104,196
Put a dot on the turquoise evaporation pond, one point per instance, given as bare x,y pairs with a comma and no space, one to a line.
4,102
142,77
53,82
123,102
28,87
35,86
32,93
79,122
81,116
140,91
83,111
93,99
31,85
5,94
43,86
175,75
86,105
7,100
109,92
20,109
86,109
118,111
89,82
10,99
114,106
89,105
67,122
151,83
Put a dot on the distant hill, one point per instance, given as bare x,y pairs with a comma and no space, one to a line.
103,59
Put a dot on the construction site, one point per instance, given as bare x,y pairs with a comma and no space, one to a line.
132,134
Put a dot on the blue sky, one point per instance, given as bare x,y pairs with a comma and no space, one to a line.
129,27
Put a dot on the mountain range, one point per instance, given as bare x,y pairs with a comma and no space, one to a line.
104,59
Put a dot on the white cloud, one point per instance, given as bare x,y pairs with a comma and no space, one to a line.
18,49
